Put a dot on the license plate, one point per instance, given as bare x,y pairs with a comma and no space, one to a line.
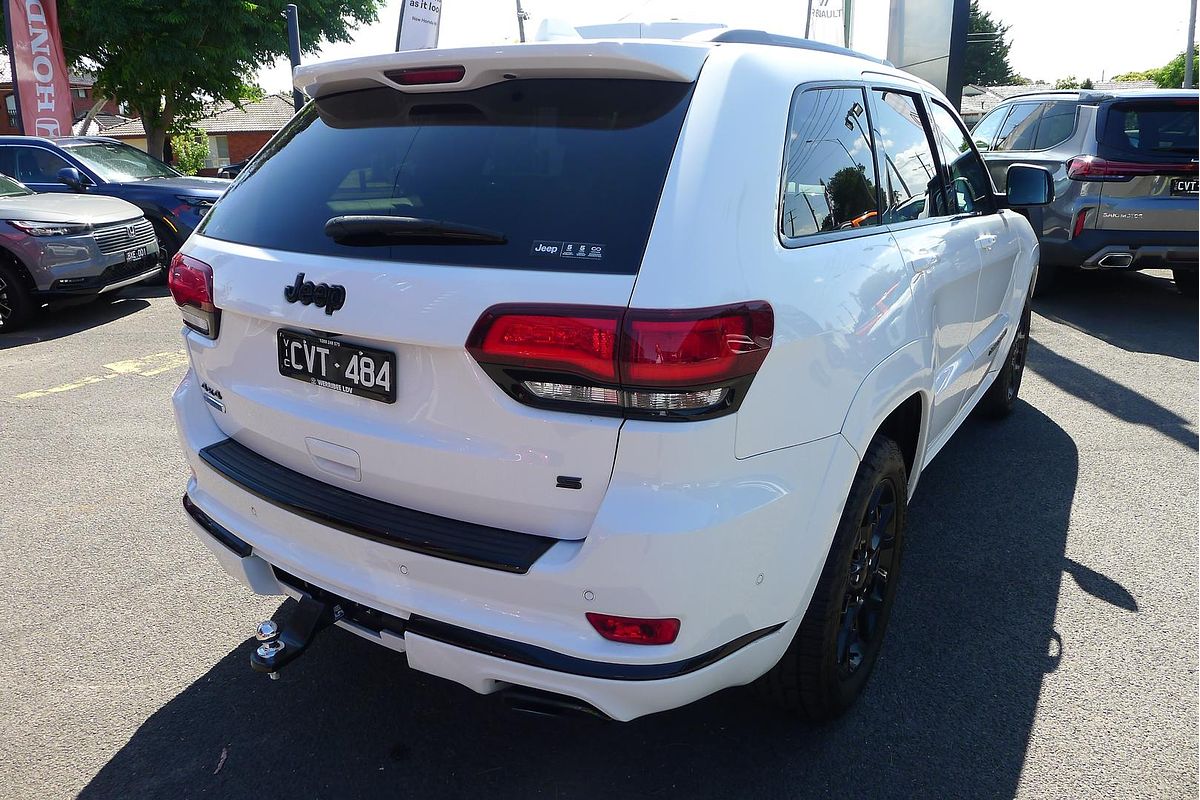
136,254
338,366
1185,186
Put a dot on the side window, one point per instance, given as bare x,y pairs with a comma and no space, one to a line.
1017,131
8,162
1057,125
969,188
985,130
35,165
911,189
829,180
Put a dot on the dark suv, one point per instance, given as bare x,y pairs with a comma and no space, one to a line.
173,203
1124,166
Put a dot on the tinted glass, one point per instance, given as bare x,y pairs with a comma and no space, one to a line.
911,189
1153,128
1057,124
829,179
31,164
1019,127
969,187
10,188
116,161
553,165
985,131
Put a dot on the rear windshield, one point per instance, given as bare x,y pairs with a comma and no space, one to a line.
568,171
1153,129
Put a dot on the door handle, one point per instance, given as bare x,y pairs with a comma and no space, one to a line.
986,242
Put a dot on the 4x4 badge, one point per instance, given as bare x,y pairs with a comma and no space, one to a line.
330,297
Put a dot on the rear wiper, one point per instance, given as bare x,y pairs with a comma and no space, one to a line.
373,230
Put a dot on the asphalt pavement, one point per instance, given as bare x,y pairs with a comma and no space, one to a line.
1044,642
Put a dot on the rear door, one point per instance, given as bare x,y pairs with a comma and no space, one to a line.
1155,140
563,178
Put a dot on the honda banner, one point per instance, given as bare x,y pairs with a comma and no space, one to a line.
419,24
39,69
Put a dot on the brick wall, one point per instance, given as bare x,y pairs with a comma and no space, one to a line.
80,105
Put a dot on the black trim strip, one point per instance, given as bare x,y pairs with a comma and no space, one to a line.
540,657
218,532
368,518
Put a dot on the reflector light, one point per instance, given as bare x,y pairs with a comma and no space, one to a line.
635,630
1080,219
423,76
191,283
1094,168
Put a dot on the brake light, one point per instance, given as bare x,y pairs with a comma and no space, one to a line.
423,76
1094,168
191,283
635,630
637,363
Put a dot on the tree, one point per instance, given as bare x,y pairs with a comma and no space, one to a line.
1069,82
1168,76
169,61
191,149
987,50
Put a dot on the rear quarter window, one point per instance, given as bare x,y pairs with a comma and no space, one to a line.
569,171
1151,128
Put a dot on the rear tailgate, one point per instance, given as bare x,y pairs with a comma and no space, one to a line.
1150,148
567,170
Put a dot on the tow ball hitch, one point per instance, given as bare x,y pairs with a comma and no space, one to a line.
279,644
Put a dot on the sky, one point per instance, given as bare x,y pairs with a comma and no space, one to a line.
1050,38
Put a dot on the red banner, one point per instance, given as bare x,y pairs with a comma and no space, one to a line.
39,68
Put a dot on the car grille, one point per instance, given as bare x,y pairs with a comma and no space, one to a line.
124,236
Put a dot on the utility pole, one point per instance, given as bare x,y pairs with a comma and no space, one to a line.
293,26
1190,52
521,17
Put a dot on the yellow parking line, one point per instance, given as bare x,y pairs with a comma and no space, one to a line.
143,367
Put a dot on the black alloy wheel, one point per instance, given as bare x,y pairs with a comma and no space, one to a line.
1001,397
16,305
860,630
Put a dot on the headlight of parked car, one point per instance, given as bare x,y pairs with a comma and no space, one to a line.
50,228
202,203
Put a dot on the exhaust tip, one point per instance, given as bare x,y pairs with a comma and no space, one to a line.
547,704
1116,260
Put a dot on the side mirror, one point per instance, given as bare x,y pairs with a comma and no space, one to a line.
1029,186
71,177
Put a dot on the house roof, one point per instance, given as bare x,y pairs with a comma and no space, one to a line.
978,100
77,79
268,114
100,124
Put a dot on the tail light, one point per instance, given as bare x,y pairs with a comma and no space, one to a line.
637,363
1094,168
635,630
191,284
424,76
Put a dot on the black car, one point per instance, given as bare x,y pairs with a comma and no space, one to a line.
173,203
232,170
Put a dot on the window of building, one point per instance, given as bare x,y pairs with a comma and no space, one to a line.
829,177
218,151
10,105
81,93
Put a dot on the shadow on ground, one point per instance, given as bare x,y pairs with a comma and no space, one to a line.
1141,312
56,323
948,713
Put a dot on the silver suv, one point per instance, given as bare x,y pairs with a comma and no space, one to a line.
1125,181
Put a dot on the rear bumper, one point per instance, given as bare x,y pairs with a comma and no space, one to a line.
735,558
1146,250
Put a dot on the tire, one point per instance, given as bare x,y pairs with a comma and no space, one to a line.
17,308
1047,280
166,249
1186,281
1001,397
827,664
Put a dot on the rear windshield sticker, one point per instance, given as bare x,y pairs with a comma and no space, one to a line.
585,250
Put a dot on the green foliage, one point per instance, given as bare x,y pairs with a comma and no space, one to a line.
986,62
169,60
1168,76
1069,82
190,146
1087,84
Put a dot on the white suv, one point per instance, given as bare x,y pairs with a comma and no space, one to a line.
598,373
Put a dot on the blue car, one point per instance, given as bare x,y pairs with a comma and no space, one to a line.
173,203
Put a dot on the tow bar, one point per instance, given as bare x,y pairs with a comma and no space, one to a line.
279,645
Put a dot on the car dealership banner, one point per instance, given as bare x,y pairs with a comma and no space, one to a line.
39,69
827,22
419,24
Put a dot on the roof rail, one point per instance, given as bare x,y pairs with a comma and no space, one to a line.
1086,95
749,36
